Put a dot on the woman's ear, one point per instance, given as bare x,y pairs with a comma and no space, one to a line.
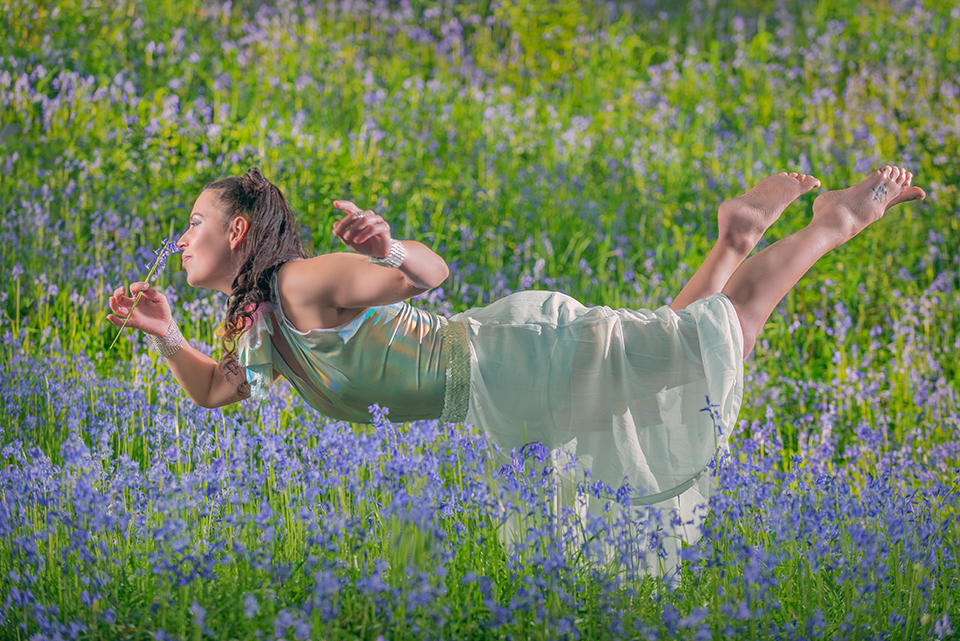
239,227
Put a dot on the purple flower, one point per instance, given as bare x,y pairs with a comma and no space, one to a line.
942,628
199,614
301,630
283,621
167,248
250,606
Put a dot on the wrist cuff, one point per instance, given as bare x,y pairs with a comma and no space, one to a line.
169,343
394,259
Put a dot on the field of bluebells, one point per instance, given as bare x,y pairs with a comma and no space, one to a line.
566,145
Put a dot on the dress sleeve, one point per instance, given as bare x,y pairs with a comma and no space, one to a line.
255,352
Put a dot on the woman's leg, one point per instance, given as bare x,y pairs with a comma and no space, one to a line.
742,221
759,284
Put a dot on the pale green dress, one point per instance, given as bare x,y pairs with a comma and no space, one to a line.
626,391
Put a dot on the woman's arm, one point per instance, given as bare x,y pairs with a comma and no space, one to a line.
207,382
347,281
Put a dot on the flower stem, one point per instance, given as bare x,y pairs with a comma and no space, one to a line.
136,300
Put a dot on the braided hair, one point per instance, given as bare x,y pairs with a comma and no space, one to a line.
273,238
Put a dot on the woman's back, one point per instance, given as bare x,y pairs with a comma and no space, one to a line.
393,355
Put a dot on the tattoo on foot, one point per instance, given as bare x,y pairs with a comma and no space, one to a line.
879,192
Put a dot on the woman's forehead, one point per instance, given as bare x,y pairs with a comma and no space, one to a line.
206,204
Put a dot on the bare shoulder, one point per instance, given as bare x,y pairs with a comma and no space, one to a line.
312,278
309,290
338,282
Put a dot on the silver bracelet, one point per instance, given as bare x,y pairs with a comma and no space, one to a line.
169,343
394,259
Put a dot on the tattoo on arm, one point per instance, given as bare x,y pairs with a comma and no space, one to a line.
232,371
879,192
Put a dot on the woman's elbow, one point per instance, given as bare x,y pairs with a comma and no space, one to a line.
209,402
212,405
442,275
436,280
205,403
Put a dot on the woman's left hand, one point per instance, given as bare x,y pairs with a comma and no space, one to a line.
362,231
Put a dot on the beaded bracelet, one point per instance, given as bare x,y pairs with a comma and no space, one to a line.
394,259
169,343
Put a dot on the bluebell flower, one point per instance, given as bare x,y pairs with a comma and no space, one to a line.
199,614
250,606
942,628
302,631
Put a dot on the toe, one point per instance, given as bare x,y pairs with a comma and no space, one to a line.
808,182
914,193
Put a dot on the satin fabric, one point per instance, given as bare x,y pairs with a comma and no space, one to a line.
392,355
645,397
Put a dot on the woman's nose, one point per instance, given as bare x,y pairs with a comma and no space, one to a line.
180,242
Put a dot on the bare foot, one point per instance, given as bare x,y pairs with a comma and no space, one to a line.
744,219
848,211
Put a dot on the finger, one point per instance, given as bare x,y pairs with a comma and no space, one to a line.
117,302
340,228
141,289
147,290
350,221
347,222
373,230
338,225
123,299
357,228
347,206
122,305
121,314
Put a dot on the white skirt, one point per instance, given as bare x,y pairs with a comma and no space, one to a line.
646,397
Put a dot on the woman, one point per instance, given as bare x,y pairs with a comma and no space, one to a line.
625,390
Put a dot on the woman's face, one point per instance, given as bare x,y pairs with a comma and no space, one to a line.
209,245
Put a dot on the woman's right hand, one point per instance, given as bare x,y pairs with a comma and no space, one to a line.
152,314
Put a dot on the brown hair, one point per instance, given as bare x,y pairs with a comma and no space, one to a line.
273,238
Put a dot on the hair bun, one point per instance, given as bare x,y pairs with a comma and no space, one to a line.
253,182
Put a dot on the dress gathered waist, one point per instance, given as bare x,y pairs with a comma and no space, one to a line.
456,393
